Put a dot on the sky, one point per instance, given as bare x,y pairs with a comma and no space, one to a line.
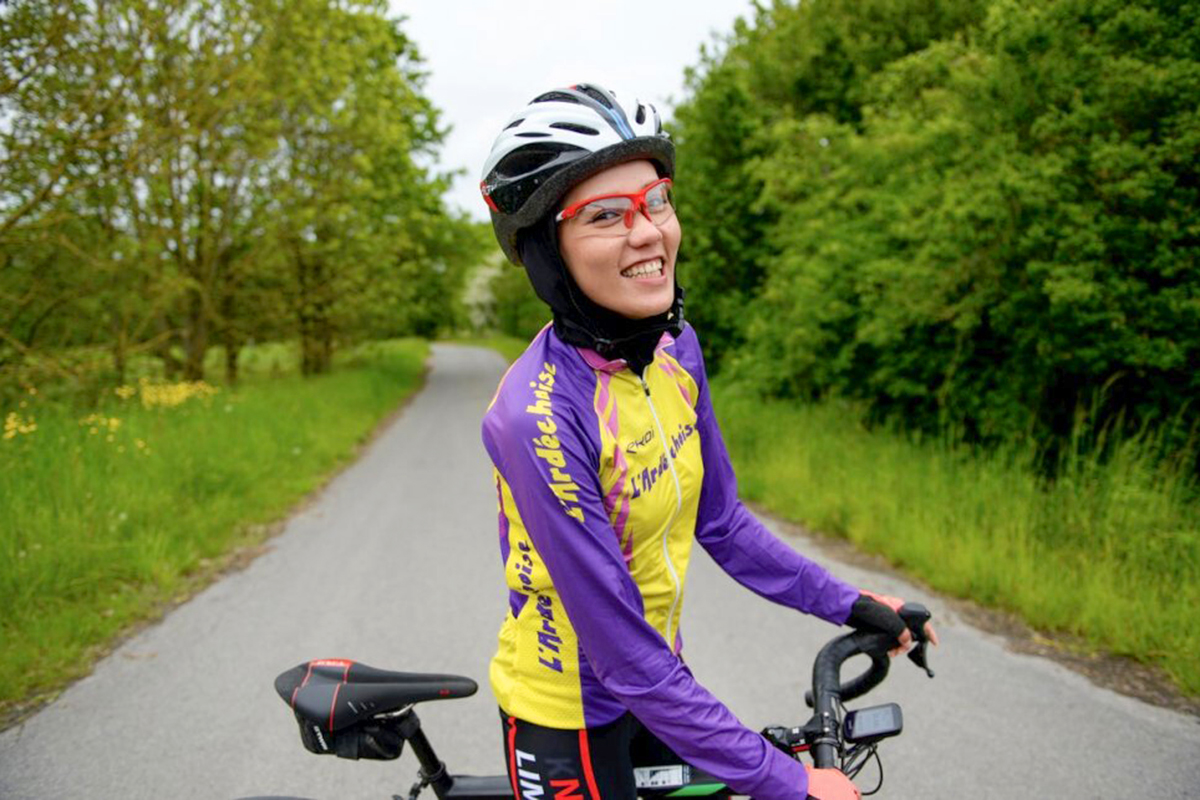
488,58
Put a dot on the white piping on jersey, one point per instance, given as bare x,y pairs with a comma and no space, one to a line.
678,507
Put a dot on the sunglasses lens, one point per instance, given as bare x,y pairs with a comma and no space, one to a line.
659,202
606,213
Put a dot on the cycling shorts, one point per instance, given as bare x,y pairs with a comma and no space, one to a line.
596,763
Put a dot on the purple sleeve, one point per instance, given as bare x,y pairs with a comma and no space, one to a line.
737,540
630,658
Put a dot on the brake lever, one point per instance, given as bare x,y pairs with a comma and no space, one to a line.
915,616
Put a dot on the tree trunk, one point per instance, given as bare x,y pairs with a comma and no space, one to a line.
120,351
231,363
196,340
326,343
171,364
313,312
231,337
322,322
303,314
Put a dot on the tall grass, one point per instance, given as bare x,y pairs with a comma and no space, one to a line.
106,514
1109,550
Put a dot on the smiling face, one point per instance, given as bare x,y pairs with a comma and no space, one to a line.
631,273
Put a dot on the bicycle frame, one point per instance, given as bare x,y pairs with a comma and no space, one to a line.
433,774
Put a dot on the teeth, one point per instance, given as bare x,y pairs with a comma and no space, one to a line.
645,268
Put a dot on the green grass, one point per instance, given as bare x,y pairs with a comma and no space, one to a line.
104,522
1110,551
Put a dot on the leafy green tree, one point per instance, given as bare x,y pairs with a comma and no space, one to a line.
62,83
724,226
1005,237
178,175
793,61
357,214
517,310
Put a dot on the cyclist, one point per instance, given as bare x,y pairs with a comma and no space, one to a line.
608,464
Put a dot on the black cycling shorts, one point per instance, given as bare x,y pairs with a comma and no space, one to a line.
589,764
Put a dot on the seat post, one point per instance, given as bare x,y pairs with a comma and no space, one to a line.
433,771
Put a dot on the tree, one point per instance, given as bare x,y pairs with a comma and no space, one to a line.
179,174
1004,238
356,213
793,61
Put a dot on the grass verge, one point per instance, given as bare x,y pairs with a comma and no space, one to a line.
111,514
1109,552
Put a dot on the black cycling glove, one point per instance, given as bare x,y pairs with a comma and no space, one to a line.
868,614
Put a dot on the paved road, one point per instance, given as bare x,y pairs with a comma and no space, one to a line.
395,565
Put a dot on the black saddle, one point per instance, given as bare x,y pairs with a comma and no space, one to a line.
334,693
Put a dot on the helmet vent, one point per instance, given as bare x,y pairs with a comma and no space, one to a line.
570,126
514,123
555,97
532,135
640,116
529,159
596,95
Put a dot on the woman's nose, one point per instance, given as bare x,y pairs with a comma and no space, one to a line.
643,231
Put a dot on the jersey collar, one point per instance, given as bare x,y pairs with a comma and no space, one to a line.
602,364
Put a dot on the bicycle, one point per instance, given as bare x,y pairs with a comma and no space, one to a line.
354,711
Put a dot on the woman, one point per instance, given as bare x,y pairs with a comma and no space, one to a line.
608,464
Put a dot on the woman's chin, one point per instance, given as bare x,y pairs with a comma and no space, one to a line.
645,311
649,299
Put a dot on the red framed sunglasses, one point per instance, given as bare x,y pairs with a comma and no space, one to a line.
601,214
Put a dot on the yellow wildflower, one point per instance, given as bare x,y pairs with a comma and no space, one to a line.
125,392
100,422
16,425
169,395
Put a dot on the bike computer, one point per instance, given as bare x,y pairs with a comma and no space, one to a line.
866,725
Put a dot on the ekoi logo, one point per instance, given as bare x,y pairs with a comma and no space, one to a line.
548,447
638,444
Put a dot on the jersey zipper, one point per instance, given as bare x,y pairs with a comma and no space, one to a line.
678,507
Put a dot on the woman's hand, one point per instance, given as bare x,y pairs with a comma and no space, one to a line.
872,611
830,784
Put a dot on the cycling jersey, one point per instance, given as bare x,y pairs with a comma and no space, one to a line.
604,478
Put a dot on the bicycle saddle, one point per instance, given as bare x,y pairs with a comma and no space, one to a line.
335,693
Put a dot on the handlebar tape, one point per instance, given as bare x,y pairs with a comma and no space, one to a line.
828,665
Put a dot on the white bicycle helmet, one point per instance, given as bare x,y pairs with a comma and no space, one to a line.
561,138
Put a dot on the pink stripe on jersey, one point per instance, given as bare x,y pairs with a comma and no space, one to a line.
622,518
675,371
607,412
